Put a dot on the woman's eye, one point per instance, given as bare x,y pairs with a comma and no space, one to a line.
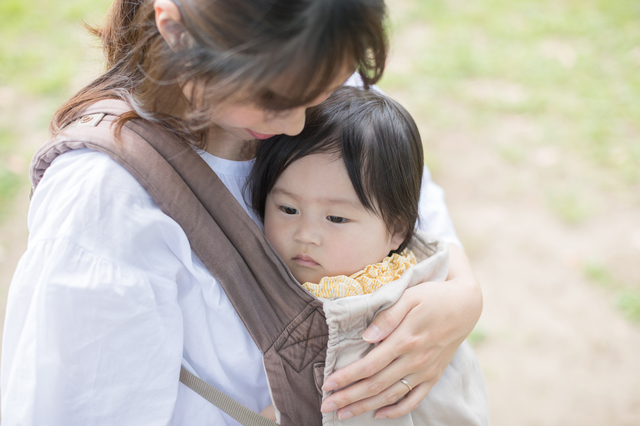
337,219
288,210
275,115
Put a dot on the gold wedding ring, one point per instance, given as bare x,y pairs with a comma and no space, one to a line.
404,382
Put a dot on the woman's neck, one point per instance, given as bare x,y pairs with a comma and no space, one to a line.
223,144
218,141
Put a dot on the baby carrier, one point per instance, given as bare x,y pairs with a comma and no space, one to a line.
287,323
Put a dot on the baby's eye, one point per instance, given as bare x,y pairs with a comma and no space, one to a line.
337,219
288,210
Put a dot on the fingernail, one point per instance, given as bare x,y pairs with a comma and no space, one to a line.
380,417
371,333
329,386
346,415
328,407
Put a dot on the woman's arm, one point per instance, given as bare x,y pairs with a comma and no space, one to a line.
93,330
419,335
88,341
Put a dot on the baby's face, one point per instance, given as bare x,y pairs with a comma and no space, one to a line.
316,223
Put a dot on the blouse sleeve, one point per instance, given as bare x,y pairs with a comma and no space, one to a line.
93,329
434,216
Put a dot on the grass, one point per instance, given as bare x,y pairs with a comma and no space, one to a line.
477,337
626,298
43,44
628,301
566,70
570,66
10,181
569,204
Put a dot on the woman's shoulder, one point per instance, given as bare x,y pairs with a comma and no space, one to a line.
86,182
88,197
86,170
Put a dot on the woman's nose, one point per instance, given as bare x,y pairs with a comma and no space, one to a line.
289,123
292,121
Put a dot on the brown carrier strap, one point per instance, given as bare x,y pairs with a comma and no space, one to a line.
286,323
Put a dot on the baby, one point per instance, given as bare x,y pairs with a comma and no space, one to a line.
340,204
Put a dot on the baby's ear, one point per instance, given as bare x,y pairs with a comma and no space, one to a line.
398,236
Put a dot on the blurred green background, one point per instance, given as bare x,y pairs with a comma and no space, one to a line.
530,118
42,52
569,65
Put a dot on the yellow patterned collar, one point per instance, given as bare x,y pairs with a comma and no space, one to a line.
365,281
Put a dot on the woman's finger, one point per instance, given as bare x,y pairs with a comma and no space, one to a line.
367,389
406,347
388,320
380,356
392,395
374,386
407,404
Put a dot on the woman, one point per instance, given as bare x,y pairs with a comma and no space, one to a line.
109,300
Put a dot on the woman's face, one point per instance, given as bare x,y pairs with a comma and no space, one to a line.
237,123
246,121
240,119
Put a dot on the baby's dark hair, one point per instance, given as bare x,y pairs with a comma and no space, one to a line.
378,141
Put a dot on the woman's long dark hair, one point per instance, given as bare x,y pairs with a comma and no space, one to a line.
279,53
375,137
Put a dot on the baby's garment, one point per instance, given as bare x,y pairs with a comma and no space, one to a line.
459,398
365,281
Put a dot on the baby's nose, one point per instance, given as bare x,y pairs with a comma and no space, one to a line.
307,233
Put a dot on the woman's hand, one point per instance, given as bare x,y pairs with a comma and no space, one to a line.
419,336
269,412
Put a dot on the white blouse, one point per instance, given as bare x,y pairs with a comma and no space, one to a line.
109,301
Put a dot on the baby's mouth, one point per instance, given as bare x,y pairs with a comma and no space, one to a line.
305,260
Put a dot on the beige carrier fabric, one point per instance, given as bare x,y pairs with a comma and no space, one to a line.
459,398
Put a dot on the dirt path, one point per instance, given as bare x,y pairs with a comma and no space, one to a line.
26,115
13,242
557,351
554,348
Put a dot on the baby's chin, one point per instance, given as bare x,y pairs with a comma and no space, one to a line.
308,278
307,275
303,275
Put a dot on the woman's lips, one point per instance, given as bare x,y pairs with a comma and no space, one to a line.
304,260
259,135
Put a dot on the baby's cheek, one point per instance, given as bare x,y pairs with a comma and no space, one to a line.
347,260
305,275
